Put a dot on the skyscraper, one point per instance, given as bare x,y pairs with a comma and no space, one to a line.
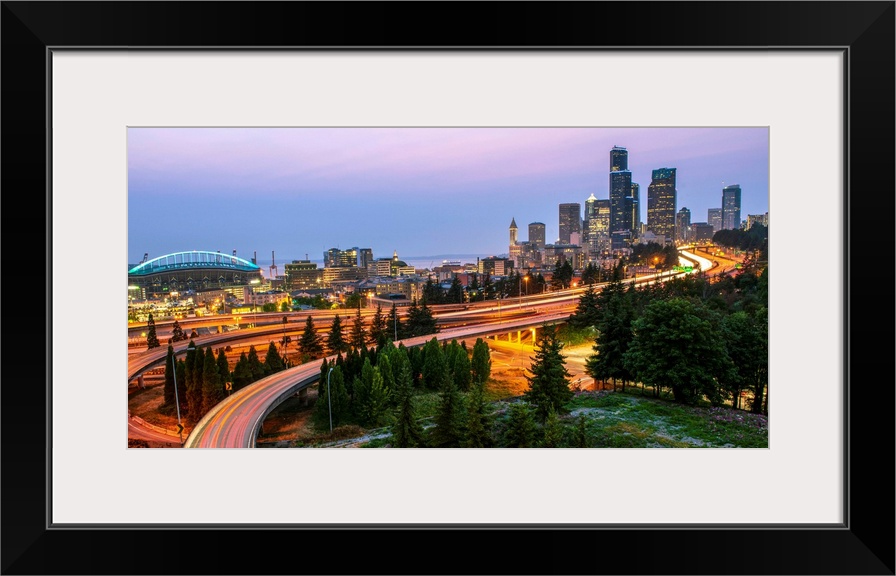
618,159
731,207
620,189
536,235
636,208
570,222
513,231
683,225
661,200
714,219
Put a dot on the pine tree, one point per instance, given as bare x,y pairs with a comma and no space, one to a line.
177,333
581,435
170,368
384,363
520,431
406,431
378,327
223,368
549,384
461,369
481,364
181,396
450,418
152,340
456,291
553,431
374,404
212,388
434,365
358,338
273,363
478,421
242,373
335,340
309,344
255,365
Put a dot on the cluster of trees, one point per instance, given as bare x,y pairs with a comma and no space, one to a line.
313,345
202,375
699,338
376,387
754,240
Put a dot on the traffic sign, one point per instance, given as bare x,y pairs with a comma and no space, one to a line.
228,385
180,428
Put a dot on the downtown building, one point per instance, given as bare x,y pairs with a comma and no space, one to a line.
683,226
570,223
661,200
731,207
714,218
624,200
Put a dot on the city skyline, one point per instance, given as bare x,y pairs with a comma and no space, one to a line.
418,191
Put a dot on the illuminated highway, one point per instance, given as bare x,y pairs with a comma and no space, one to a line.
235,421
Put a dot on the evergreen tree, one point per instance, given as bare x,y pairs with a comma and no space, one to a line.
152,340
478,421
358,337
461,369
170,368
553,431
384,363
378,333
406,431
614,315
448,431
255,366
456,291
223,368
586,314
434,365
212,388
520,431
177,333
193,378
481,365
549,384
746,338
488,287
335,340
272,361
361,388
474,289
581,435
374,406
181,397
242,373
309,344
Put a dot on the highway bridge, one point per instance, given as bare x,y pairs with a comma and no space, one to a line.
235,421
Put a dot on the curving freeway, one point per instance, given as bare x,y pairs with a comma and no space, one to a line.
235,422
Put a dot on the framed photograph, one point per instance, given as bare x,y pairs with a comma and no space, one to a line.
84,82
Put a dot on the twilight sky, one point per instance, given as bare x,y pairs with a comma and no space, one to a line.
421,191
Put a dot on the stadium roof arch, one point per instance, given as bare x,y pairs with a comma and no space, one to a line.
193,260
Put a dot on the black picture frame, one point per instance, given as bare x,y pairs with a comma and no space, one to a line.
864,544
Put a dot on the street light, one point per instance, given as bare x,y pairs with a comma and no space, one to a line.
329,401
